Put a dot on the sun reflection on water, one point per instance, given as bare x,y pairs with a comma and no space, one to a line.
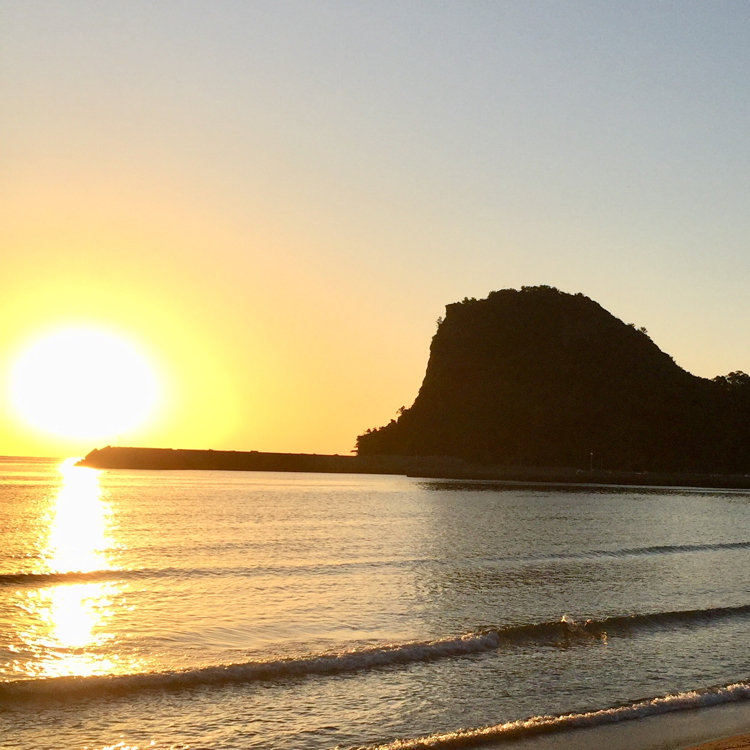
74,611
78,531
65,633
64,629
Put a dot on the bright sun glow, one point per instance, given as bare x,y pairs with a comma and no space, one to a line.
82,383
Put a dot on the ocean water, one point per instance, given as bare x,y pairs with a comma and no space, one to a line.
257,610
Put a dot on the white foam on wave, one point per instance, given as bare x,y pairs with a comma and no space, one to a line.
348,661
548,724
563,632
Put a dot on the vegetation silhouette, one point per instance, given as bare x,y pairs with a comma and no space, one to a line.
539,377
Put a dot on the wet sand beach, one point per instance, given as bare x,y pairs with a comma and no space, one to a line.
738,742
723,727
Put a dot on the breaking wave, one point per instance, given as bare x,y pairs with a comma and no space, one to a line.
549,724
326,664
562,633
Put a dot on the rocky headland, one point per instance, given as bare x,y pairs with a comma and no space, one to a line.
538,377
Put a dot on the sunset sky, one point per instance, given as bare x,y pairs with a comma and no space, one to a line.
266,205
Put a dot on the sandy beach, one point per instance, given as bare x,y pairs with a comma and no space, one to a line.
739,742
722,727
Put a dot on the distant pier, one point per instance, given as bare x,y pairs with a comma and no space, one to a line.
427,467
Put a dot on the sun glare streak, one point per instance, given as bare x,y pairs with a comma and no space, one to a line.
73,613
66,623
66,630
77,536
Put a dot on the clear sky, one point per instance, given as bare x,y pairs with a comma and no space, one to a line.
272,202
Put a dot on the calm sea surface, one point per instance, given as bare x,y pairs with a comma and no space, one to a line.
258,610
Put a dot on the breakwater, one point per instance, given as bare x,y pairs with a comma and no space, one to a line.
428,467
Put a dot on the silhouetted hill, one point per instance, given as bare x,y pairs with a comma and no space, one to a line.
538,377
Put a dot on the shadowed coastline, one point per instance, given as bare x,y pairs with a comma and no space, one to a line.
535,386
428,467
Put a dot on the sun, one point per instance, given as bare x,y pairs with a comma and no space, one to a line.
82,382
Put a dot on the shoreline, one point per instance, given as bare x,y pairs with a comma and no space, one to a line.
427,467
737,742
721,727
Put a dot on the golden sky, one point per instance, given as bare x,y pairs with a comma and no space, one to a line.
272,203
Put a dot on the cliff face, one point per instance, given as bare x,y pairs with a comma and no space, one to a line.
537,377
